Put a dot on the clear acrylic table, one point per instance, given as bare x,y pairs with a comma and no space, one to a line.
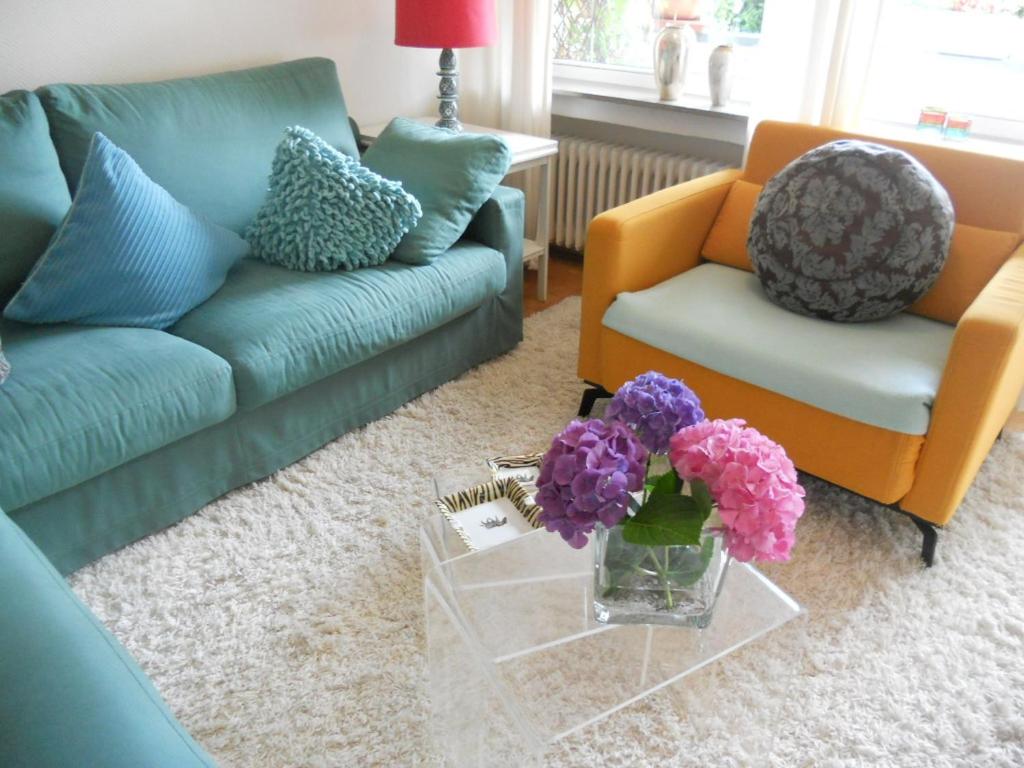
513,651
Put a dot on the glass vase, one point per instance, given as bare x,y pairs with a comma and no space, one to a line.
675,585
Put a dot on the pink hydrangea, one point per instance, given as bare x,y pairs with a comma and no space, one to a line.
752,480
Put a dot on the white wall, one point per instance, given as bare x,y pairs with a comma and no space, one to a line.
106,41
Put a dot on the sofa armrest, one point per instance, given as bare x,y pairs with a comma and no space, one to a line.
72,696
641,244
499,224
980,386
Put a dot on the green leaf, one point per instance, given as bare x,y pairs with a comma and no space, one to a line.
687,567
620,560
669,482
700,493
665,520
619,556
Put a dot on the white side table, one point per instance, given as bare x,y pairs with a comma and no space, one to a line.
527,152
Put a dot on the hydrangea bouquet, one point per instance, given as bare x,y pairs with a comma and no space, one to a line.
672,497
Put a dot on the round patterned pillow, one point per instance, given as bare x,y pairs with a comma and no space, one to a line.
850,231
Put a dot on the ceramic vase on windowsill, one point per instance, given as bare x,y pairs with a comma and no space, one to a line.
671,54
720,75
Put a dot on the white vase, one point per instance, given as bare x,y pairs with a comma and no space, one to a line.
720,75
671,51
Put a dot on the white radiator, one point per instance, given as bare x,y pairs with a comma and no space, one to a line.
592,176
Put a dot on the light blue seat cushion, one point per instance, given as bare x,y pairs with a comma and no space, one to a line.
326,211
450,174
82,400
127,253
282,330
207,140
884,373
72,696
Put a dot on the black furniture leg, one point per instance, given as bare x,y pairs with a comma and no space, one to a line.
931,539
590,396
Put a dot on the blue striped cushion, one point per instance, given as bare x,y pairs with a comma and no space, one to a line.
127,253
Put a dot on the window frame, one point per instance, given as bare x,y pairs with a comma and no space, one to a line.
943,25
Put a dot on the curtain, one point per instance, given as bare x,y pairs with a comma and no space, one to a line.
815,61
512,87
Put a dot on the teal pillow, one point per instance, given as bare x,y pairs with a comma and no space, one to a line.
33,194
451,174
5,367
326,211
127,253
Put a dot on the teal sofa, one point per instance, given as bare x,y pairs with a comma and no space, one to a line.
109,434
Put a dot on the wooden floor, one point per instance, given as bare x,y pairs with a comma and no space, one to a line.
565,278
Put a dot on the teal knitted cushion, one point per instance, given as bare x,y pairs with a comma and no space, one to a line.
326,211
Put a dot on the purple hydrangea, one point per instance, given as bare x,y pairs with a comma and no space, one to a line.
587,476
655,407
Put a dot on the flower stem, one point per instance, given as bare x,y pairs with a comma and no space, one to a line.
668,584
662,571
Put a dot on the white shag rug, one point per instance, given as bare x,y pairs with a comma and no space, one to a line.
283,623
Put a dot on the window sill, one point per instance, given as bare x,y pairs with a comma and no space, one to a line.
984,145
641,108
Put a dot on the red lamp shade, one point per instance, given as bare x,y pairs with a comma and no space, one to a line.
445,23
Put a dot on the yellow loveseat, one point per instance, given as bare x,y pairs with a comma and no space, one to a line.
902,411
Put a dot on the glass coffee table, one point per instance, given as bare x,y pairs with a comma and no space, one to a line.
516,662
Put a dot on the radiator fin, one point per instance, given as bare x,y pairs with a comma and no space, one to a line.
592,176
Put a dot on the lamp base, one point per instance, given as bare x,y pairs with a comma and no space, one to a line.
448,91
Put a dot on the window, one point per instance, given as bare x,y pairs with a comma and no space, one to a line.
964,57
612,41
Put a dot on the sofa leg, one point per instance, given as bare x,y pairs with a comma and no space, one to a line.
590,396
931,539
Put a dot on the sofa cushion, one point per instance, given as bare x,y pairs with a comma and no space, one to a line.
33,194
281,330
885,373
851,231
450,174
209,140
72,694
84,399
726,243
327,211
127,253
975,255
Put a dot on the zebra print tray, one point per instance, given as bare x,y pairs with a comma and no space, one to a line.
525,467
490,513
